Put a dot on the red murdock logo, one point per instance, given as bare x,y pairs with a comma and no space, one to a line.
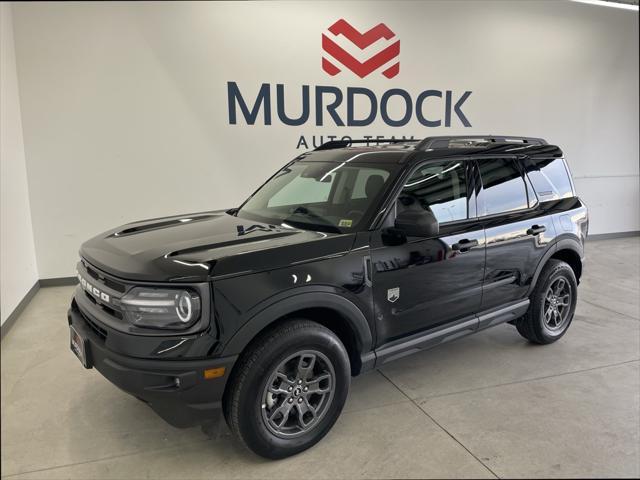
362,41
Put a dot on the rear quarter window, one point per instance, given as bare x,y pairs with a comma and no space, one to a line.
549,177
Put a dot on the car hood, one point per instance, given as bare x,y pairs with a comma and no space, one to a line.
198,247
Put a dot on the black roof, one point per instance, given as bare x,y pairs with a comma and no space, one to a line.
401,150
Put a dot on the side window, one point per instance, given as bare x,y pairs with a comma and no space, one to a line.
303,190
438,187
503,188
549,177
363,178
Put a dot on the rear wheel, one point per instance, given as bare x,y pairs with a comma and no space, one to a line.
288,389
553,303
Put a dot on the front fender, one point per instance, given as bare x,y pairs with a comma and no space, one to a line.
299,301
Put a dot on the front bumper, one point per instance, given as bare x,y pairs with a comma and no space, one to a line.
175,389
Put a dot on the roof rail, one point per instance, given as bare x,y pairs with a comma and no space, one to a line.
330,145
443,142
436,142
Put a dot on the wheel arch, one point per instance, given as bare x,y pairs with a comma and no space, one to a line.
569,250
333,311
572,258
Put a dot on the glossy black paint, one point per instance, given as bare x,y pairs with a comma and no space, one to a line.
174,388
472,274
199,247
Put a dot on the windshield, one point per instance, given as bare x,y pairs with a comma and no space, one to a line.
325,196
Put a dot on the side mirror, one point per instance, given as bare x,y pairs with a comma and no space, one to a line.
417,223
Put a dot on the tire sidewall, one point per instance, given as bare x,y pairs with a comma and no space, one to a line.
251,423
559,270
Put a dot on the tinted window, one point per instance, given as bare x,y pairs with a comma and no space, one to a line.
438,187
504,189
550,178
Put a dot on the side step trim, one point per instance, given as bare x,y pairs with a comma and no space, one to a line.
425,341
503,315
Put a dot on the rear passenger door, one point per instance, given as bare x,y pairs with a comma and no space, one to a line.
517,231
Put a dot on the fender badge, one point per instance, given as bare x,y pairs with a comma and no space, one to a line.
393,294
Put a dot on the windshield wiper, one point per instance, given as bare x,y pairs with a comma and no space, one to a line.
321,227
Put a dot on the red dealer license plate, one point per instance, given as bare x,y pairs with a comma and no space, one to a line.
79,346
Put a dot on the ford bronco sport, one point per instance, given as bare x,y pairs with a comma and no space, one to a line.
349,257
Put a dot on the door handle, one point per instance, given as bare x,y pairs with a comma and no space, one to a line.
464,245
536,230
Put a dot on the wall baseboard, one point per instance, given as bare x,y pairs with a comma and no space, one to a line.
13,316
45,282
58,282
610,236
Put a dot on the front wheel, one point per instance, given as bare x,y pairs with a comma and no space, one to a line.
288,389
553,303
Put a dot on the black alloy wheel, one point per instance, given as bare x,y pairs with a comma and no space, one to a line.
552,304
288,388
298,393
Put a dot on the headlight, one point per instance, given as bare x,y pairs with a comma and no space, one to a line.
161,307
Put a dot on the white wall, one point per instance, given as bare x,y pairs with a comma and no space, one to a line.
18,271
125,105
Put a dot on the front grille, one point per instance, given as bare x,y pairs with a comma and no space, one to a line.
112,284
101,332
101,298
106,308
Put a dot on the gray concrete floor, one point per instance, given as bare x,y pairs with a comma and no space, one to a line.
489,405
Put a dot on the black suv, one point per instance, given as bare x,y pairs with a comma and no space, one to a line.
350,256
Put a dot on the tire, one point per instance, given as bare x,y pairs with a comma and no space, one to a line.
288,389
541,324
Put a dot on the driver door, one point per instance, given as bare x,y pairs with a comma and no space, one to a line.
422,283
